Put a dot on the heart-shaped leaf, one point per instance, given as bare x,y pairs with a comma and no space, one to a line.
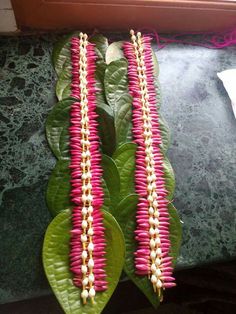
114,52
169,178
175,233
165,134
58,190
61,55
106,197
124,158
106,130
99,76
63,86
62,63
57,128
129,203
126,218
101,45
59,187
122,118
115,81
112,179
56,249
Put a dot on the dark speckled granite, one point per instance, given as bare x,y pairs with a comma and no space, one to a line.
26,96
202,153
203,150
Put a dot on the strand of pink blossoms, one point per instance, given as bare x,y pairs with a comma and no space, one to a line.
152,233
87,234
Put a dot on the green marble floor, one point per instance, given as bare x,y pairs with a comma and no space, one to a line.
202,153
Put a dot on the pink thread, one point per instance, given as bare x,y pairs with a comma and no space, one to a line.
208,39
100,283
142,254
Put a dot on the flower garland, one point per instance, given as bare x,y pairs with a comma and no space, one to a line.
87,235
152,233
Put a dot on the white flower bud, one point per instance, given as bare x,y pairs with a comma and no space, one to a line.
90,263
152,244
84,294
84,254
84,211
84,224
90,219
153,267
153,254
159,284
90,247
90,231
84,269
91,278
88,163
84,198
85,281
158,272
151,220
155,204
90,209
151,231
150,198
89,198
83,238
158,261
153,279
151,210
158,241
92,292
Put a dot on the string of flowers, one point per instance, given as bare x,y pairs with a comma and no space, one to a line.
152,233
87,254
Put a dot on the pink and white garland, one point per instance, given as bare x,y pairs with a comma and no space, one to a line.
87,254
152,233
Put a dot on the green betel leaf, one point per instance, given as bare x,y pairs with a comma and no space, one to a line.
169,178
62,63
59,187
115,81
106,198
114,52
56,250
175,233
122,117
165,134
99,75
106,129
126,218
58,190
63,86
128,203
124,158
61,55
127,221
101,45
112,180
57,128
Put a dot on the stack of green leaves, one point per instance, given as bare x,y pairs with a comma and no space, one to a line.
114,108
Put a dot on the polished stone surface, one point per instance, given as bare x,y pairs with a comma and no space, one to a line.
26,96
202,153
203,150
